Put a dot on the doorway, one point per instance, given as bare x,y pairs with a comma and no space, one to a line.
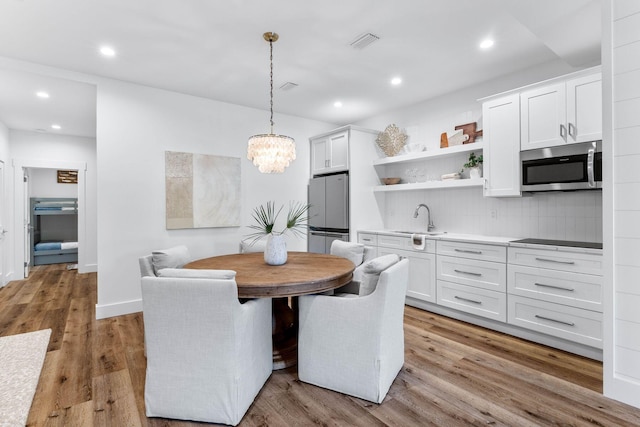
22,214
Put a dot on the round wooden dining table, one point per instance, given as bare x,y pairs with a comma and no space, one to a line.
303,273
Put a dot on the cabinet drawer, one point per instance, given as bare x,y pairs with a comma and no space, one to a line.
472,251
368,239
472,300
483,274
556,260
573,289
573,324
404,242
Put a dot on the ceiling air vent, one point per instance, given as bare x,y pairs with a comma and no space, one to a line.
288,86
364,40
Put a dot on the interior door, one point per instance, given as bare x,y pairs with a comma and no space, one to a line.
27,225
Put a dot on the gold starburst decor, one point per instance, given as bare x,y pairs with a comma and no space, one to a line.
392,140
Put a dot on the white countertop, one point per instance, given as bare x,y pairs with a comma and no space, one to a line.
492,240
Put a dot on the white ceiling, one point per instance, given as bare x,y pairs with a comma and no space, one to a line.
215,49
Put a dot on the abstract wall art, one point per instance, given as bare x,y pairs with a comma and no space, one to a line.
202,190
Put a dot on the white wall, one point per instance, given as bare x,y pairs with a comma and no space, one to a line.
136,125
44,183
46,150
621,67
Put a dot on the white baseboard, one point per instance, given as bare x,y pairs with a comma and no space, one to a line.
88,268
118,309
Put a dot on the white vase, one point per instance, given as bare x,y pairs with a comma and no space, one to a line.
276,251
474,173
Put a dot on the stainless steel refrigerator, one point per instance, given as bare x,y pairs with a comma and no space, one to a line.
329,211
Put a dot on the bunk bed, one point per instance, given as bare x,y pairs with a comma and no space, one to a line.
54,237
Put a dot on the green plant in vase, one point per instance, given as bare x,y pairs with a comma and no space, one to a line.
266,216
473,164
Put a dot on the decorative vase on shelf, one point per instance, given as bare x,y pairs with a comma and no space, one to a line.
275,252
474,173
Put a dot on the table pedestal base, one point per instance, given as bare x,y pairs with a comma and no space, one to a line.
284,333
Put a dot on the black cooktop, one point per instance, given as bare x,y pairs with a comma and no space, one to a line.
590,245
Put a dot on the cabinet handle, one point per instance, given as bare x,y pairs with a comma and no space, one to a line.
572,133
467,272
467,251
563,132
366,240
544,285
467,300
555,320
555,260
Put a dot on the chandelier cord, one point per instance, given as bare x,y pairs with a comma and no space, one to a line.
271,79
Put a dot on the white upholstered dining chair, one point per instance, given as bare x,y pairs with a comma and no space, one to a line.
208,356
356,345
174,257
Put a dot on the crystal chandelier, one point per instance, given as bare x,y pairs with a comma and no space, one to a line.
271,153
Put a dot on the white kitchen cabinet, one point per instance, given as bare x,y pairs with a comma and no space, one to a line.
564,112
501,127
422,263
556,291
422,272
330,153
584,108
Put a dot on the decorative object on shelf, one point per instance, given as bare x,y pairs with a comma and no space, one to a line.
67,177
392,140
271,153
450,176
469,129
457,138
473,165
391,181
414,148
275,252
444,141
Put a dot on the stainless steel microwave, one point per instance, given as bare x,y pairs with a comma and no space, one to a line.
564,168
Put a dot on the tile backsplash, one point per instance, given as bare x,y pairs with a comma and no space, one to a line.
554,215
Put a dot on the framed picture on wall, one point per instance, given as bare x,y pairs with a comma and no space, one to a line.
67,177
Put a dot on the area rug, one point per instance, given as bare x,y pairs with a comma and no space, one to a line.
21,360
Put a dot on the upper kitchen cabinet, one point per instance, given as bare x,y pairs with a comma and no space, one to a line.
330,153
501,119
566,111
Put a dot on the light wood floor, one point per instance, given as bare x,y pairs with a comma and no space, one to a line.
454,373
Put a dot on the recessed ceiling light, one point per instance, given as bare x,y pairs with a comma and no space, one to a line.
337,104
56,127
486,44
396,81
42,94
107,51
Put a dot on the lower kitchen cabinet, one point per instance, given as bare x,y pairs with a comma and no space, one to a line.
570,323
557,292
422,262
552,295
422,272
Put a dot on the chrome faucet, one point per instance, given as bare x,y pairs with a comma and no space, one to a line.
430,225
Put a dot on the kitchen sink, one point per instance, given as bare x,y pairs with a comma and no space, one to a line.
426,233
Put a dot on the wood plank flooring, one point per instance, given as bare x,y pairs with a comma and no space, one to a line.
455,374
